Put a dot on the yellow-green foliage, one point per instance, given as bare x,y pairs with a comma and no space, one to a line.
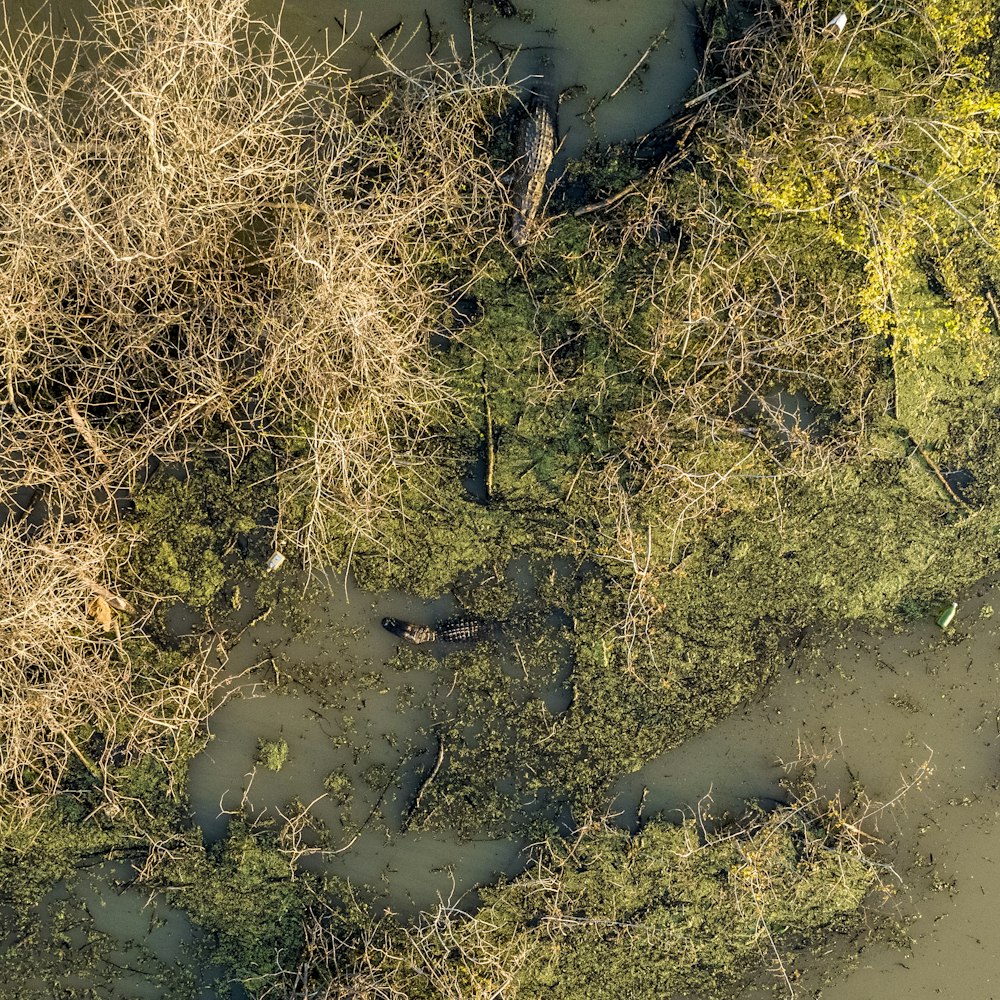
963,26
272,754
885,138
698,915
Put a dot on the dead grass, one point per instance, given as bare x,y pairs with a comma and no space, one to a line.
212,239
72,701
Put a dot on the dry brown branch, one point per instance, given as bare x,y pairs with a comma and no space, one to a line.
598,206
347,351
939,475
298,827
708,94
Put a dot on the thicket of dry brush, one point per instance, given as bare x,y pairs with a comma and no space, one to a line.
78,699
212,234
211,238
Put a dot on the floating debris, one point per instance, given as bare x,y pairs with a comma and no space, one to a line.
948,615
275,562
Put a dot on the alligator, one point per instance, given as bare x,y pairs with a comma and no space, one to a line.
463,629
536,142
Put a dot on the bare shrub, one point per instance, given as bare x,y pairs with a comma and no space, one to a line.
451,953
71,697
346,347
838,837
133,178
213,238
816,188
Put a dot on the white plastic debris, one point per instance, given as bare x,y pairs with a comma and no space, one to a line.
837,25
275,562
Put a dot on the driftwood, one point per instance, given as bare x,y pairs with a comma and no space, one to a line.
933,467
426,783
630,188
86,431
490,456
715,90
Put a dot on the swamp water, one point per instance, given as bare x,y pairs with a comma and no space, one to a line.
360,746
887,699
885,705
622,68
100,931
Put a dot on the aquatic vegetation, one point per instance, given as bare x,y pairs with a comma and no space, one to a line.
754,392
199,529
63,949
244,890
599,912
272,754
341,790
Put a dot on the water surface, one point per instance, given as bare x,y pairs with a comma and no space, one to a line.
623,67
360,746
884,703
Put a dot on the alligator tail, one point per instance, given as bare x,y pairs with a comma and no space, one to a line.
464,629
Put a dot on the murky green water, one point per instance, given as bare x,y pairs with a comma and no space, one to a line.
359,742
885,703
623,68
102,932
887,700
